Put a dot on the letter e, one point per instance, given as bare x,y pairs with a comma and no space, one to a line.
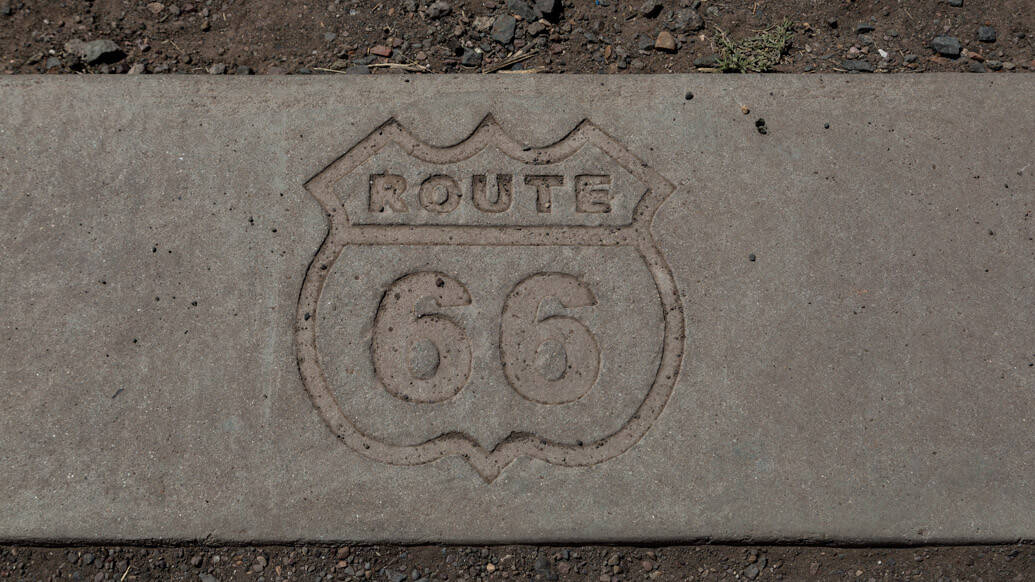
593,194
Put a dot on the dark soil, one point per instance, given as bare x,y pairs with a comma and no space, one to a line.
580,36
592,563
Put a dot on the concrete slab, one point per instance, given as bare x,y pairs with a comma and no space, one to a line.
499,309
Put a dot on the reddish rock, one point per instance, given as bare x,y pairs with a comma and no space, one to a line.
665,42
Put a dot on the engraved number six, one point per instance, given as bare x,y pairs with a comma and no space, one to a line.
421,358
551,360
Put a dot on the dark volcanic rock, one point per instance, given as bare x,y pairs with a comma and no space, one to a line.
96,51
503,29
859,65
946,46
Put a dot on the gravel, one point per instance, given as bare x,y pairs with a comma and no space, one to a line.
543,567
430,563
96,51
471,58
706,61
651,8
452,36
858,65
522,9
438,9
445,36
665,42
946,46
503,29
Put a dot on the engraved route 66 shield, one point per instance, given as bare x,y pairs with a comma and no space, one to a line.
489,300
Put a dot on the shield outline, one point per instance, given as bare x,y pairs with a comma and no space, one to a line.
489,463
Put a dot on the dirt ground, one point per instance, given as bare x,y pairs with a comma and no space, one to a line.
497,563
572,36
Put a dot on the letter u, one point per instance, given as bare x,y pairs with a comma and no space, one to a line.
504,190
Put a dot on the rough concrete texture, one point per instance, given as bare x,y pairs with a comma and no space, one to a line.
518,309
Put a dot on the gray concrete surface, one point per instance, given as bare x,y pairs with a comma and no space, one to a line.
532,308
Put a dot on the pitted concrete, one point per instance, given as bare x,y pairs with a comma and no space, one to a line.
480,309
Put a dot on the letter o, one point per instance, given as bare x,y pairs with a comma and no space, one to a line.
431,199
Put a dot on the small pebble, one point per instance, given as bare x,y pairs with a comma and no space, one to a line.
438,9
665,42
946,46
503,29
651,8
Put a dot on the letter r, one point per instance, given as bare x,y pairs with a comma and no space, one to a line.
386,192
